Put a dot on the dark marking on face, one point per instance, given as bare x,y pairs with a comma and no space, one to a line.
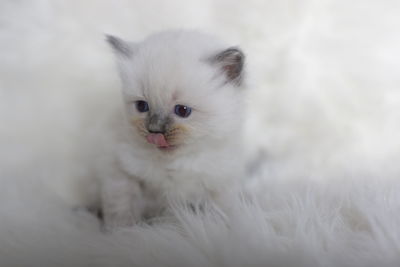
175,134
156,123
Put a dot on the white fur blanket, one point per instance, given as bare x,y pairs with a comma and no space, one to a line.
324,112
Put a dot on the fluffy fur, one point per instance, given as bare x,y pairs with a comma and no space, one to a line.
203,155
325,110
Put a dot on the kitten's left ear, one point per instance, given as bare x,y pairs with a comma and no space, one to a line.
124,52
231,62
121,48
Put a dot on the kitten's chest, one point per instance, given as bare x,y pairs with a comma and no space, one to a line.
187,178
182,182
190,177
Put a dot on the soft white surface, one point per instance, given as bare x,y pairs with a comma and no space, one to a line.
324,106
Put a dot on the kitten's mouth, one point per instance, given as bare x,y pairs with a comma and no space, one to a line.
168,148
159,140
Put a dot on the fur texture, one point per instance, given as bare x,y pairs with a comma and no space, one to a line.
324,109
200,156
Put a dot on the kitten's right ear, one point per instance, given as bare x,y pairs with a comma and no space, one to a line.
121,48
231,62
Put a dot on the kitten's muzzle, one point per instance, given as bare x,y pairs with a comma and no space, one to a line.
158,140
157,124
156,131
164,133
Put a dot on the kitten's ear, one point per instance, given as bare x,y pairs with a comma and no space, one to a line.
231,62
121,48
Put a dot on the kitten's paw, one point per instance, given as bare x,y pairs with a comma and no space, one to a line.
122,220
87,214
97,212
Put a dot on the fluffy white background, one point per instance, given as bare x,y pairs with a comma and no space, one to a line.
324,110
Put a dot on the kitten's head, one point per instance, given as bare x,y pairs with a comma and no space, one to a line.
181,89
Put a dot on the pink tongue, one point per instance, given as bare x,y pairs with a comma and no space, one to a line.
157,139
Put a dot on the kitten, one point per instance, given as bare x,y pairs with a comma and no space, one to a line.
181,136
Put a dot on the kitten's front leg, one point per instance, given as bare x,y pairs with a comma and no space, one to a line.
122,200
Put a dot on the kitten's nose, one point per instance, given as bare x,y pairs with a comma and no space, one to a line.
157,124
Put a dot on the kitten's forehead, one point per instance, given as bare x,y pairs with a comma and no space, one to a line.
171,70
160,82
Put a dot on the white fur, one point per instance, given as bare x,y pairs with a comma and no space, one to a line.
167,69
324,107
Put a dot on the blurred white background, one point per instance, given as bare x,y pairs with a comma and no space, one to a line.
324,94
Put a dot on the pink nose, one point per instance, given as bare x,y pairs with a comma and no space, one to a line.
157,139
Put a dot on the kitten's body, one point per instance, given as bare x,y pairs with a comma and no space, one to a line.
193,158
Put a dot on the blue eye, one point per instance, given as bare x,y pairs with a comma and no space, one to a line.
142,106
182,111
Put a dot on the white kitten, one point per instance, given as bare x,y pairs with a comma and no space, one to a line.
181,136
